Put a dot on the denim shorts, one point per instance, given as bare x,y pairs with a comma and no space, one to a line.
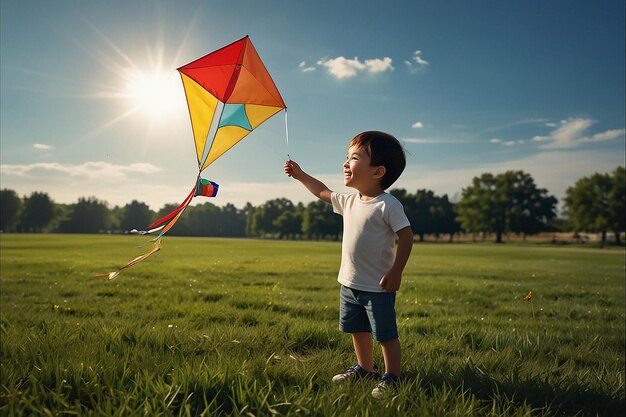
370,312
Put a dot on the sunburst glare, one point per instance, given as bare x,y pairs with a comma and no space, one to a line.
155,93
144,82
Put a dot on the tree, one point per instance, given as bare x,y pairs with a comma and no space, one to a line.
135,215
319,221
446,217
477,205
38,212
400,194
10,208
421,211
617,203
508,202
262,219
531,208
247,211
428,213
116,215
289,223
88,215
203,220
595,203
233,221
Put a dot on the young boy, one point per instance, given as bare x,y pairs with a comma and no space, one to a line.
370,273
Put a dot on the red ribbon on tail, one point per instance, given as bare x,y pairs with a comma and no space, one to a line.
164,224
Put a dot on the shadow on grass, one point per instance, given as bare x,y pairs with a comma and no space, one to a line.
536,392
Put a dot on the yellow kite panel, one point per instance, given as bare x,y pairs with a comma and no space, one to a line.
225,139
202,105
258,114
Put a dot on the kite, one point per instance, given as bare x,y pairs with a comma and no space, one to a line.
229,94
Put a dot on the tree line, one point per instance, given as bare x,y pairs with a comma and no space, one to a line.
497,205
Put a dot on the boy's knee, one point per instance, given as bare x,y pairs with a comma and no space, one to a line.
390,342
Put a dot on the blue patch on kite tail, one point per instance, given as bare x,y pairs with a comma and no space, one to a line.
200,188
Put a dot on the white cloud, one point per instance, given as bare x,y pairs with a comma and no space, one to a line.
418,140
608,135
88,170
417,57
42,147
511,142
417,125
304,68
342,67
502,142
570,134
379,65
114,183
567,134
417,62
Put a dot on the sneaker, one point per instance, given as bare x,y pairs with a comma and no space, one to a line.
355,372
386,383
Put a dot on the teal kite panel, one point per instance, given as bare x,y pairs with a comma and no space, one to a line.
235,115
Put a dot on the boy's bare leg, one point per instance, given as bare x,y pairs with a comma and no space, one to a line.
391,354
364,349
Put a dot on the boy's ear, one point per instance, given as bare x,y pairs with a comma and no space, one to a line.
380,172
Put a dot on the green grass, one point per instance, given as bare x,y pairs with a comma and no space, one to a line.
249,327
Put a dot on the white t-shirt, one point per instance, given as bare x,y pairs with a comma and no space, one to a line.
369,236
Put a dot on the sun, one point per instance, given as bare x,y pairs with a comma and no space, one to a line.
156,93
141,84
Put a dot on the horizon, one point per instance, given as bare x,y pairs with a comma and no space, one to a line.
453,198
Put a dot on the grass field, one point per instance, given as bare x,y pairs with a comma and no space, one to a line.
249,327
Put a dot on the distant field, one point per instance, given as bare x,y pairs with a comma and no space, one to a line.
249,327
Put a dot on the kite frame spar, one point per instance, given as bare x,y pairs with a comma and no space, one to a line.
229,93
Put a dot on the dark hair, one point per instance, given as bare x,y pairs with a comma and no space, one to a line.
383,149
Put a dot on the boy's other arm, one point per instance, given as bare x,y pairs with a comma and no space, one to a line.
390,282
315,186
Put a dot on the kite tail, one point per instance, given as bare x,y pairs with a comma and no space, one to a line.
111,275
163,228
174,212
155,248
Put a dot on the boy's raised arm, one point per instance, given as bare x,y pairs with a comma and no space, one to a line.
315,186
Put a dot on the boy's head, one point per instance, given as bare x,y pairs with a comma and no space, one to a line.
383,150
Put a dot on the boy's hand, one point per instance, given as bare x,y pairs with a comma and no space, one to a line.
390,282
312,184
292,169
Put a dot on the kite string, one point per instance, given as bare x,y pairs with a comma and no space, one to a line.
287,134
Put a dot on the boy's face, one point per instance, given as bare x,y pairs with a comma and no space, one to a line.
357,171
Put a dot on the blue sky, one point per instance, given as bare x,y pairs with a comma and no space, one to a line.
91,103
